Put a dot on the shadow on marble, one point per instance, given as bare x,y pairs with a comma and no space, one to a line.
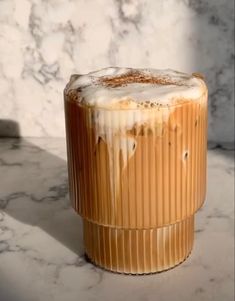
34,190
9,128
213,55
8,293
226,152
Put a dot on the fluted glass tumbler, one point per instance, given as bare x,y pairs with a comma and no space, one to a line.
137,185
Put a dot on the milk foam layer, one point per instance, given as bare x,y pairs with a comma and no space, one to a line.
128,88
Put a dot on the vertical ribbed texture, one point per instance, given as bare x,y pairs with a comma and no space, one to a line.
139,251
147,175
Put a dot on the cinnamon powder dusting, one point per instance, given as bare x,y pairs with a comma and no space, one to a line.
136,77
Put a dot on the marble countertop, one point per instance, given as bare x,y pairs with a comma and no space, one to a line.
41,249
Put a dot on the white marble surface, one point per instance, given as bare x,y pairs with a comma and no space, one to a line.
43,42
41,249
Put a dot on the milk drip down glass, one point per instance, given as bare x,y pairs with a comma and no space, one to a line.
136,145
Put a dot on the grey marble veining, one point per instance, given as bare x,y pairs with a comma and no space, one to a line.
43,42
41,249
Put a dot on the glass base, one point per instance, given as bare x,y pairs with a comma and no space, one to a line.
138,251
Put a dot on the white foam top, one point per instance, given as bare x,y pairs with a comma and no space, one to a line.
115,87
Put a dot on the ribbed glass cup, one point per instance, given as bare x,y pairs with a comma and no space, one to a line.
137,177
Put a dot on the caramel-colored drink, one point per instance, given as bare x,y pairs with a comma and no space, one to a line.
136,142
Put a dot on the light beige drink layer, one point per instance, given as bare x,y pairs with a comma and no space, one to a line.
136,141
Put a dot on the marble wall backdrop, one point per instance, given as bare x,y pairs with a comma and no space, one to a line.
43,42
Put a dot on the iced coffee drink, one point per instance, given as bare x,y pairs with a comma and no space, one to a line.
136,142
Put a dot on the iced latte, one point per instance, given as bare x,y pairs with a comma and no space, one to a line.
136,141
